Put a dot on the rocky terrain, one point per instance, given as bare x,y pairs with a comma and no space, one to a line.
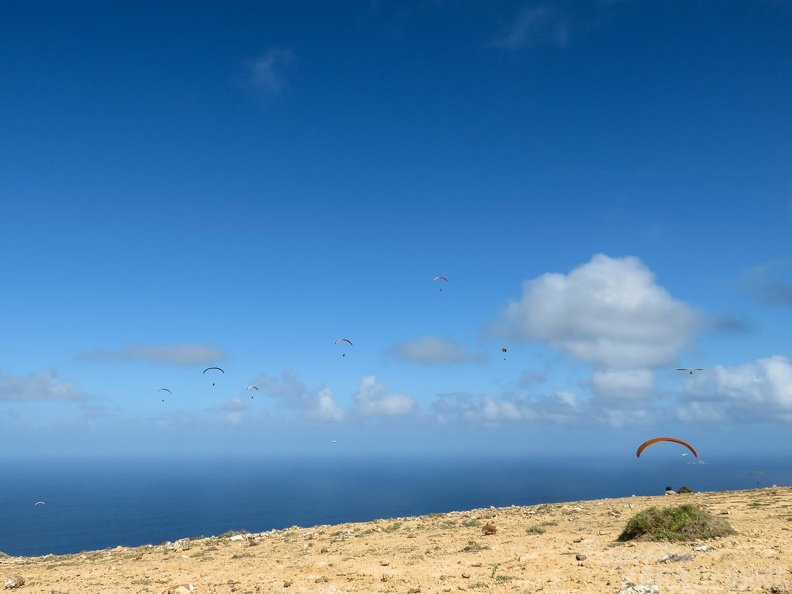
553,548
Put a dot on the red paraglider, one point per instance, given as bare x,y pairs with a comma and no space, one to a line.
646,444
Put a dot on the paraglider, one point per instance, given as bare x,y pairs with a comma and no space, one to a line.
39,503
344,340
503,350
210,368
646,444
251,387
690,369
165,390
442,278
755,472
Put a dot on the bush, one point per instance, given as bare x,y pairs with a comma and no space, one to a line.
683,522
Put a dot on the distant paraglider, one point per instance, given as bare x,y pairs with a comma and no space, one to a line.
442,278
165,390
646,444
344,340
251,387
215,368
39,503
503,350
690,369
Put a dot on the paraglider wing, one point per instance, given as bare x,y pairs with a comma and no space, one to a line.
437,278
646,444
217,368
165,390
343,340
39,503
253,388
503,350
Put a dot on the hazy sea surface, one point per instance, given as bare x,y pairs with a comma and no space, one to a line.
98,503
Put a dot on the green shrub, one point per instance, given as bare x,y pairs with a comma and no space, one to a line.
683,522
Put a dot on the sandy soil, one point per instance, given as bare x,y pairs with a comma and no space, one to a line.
533,550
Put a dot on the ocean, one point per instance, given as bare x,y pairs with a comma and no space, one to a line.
98,503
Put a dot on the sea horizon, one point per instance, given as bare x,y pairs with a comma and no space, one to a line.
61,507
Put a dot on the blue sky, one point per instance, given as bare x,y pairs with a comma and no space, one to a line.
607,186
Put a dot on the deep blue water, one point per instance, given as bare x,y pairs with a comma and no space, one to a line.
95,504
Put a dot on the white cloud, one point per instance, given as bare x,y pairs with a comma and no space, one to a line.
186,355
534,24
609,311
372,399
42,385
266,71
764,386
487,408
429,350
315,404
233,412
323,408
623,385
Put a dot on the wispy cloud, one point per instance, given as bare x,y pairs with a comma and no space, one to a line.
631,385
233,411
42,385
728,323
373,399
317,404
267,71
534,24
770,283
436,351
609,311
180,355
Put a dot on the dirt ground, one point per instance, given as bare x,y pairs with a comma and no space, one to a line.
534,549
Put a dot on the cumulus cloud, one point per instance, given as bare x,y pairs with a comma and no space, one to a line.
179,355
42,385
372,399
315,404
622,385
609,311
540,23
266,71
761,389
435,351
323,408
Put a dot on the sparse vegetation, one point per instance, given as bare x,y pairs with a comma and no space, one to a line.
471,523
680,523
536,529
473,547
685,490
393,527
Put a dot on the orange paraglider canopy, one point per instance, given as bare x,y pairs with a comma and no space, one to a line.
646,444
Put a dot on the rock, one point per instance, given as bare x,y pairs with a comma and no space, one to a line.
701,547
640,589
14,582
237,537
676,558
182,544
323,550
322,580
580,557
489,529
